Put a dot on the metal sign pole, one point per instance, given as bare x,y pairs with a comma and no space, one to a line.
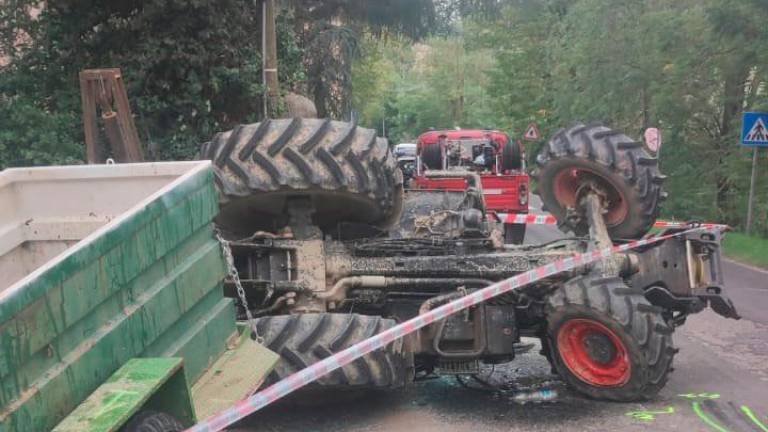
752,181
754,133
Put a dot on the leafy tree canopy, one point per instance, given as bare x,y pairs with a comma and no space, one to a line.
192,68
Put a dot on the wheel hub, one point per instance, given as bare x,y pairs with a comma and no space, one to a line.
569,186
593,353
599,347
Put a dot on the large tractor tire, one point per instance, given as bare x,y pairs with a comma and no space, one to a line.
304,339
511,156
606,341
620,167
347,172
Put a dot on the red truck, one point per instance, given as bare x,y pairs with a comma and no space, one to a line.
499,162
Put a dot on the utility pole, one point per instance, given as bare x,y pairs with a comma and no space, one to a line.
269,57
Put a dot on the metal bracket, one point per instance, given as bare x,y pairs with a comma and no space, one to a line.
594,209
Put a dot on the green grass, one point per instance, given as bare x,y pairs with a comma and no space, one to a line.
747,249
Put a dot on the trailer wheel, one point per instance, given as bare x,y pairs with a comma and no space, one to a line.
620,167
304,339
346,171
607,341
153,421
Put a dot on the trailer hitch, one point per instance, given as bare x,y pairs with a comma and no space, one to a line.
685,273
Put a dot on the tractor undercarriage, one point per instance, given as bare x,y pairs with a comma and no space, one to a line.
315,287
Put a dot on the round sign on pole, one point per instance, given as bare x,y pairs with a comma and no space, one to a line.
653,139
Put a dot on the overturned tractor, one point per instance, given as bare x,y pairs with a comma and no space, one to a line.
330,250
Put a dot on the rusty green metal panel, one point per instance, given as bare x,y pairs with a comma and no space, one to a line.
207,324
234,376
129,390
149,286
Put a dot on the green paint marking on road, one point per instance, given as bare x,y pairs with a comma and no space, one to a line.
700,396
647,416
748,412
699,412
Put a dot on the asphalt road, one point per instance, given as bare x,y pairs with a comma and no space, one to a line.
722,367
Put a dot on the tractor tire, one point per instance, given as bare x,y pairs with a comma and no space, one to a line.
304,339
432,156
511,157
347,172
607,341
153,421
621,167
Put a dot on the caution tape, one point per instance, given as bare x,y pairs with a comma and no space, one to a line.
674,224
307,375
548,219
527,218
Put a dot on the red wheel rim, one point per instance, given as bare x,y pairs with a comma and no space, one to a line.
566,187
593,353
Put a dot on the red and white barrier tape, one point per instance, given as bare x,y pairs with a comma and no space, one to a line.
673,224
305,376
528,218
548,219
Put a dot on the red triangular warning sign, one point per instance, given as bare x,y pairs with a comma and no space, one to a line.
532,133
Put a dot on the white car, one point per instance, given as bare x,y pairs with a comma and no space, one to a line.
405,151
406,159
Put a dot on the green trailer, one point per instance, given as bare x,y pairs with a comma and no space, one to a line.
111,302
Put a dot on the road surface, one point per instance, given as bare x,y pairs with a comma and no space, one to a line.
720,383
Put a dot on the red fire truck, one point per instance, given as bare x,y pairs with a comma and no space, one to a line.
499,163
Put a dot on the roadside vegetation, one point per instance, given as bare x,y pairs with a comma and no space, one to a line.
748,249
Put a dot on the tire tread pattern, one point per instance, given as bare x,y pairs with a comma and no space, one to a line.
612,151
308,156
303,339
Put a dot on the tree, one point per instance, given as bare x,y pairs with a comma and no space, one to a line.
686,66
330,31
192,68
433,84
374,76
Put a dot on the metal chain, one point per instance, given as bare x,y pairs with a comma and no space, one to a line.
232,270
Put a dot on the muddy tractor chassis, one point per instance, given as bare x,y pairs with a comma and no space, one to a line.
331,250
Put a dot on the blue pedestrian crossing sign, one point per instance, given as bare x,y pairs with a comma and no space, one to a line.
754,131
